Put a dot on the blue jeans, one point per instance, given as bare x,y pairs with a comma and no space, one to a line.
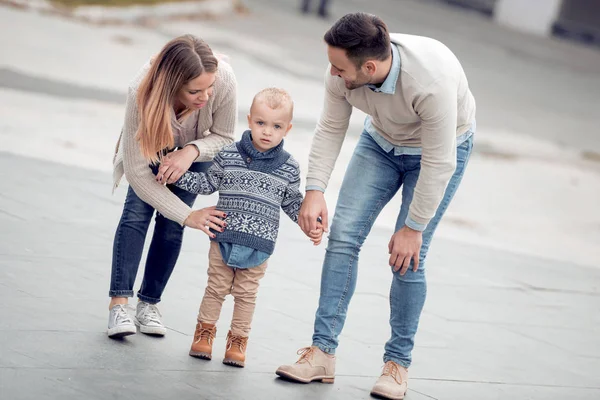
373,177
164,248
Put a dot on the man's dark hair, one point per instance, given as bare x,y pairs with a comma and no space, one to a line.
363,36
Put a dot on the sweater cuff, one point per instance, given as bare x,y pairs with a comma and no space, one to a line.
314,187
193,143
315,184
180,214
202,150
412,224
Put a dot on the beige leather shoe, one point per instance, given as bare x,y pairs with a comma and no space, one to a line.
393,382
313,365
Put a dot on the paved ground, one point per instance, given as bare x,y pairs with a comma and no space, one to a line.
496,324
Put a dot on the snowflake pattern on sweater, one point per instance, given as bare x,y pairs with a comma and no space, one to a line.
253,187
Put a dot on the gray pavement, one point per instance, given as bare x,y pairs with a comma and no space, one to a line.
496,325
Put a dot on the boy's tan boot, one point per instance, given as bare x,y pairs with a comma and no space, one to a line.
313,365
203,340
235,353
393,382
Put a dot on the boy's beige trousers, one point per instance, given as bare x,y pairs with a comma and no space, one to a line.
241,283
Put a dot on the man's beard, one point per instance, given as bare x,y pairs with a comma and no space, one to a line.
360,81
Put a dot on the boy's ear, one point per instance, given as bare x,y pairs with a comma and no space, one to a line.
249,119
288,128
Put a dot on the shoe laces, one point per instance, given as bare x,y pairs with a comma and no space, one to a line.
392,369
205,333
306,354
238,341
121,315
152,313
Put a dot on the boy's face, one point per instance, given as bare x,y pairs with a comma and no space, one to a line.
268,126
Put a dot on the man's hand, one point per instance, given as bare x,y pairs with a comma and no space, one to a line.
313,207
175,164
404,246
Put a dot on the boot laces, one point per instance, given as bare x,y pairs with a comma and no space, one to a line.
306,354
204,333
238,341
392,369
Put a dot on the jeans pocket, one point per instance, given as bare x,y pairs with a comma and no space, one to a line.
463,152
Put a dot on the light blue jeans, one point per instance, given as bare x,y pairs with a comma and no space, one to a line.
373,177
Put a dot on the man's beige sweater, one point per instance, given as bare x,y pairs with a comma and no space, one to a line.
431,106
209,129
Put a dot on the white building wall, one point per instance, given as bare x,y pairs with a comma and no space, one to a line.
532,16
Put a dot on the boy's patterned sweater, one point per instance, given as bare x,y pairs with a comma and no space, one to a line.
252,187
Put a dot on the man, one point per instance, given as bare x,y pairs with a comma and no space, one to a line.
418,135
323,11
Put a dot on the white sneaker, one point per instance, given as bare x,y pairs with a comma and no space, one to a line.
119,322
148,318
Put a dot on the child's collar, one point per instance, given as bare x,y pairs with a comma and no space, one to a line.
250,150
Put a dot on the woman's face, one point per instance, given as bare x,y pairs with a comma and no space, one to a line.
194,94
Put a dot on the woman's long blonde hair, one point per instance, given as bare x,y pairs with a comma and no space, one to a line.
181,60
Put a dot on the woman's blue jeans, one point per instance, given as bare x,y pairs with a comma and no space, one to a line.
164,248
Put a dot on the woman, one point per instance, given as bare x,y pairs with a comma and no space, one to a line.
181,110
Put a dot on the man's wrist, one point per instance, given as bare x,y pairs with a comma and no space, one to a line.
411,230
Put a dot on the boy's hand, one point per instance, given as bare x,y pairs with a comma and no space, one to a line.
316,235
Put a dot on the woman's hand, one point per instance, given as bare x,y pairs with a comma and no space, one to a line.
205,219
175,164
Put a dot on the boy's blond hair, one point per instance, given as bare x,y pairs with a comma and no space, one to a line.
275,98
